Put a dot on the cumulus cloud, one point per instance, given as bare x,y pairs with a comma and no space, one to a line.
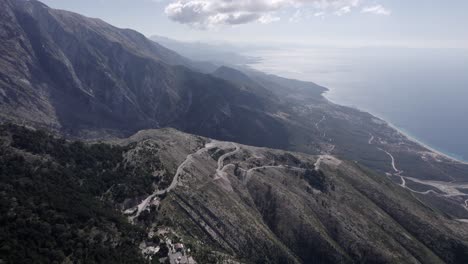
342,11
205,13
268,18
377,10
212,13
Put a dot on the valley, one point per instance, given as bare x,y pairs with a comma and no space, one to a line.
116,149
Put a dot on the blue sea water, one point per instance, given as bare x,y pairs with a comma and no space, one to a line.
424,92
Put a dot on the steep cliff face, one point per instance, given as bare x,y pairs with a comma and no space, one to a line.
81,75
21,97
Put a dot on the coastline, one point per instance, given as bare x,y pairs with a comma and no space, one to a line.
414,139
406,134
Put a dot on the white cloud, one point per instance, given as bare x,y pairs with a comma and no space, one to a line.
342,11
207,13
268,18
377,10
297,16
212,13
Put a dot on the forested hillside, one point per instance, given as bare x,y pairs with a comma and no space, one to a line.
50,201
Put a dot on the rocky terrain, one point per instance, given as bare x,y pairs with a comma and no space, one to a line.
85,78
263,205
331,184
225,201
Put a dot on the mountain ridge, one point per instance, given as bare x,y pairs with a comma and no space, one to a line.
317,182
95,87
300,208
93,84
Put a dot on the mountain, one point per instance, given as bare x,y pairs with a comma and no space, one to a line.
217,54
48,196
317,126
223,200
352,189
84,77
237,77
228,62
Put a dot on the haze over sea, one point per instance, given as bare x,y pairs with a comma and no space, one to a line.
423,92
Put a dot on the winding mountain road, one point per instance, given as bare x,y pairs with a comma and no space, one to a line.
248,173
320,121
323,134
220,170
393,162
175,181
447,189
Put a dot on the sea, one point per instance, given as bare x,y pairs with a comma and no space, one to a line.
422,92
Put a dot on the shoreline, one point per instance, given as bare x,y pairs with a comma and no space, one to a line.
410,137
450,156
406,134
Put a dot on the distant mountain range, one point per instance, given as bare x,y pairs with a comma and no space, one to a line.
353,189
219,54
81,75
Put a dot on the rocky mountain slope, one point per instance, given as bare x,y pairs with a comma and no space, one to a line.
316,126
223,200
83,78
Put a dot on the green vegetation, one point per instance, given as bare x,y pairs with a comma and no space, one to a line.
316,179
216,153
51,204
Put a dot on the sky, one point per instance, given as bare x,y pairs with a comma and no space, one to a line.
402,23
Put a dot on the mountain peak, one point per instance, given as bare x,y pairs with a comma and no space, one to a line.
231,73
252,167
